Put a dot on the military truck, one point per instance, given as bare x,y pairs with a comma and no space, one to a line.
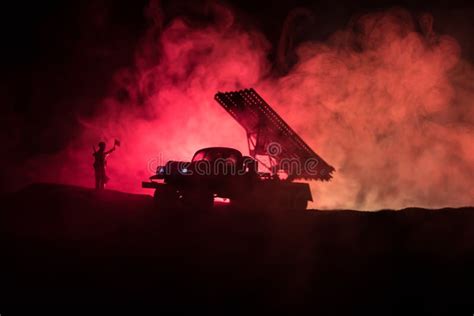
264,179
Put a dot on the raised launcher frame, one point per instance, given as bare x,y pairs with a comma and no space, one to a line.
269,135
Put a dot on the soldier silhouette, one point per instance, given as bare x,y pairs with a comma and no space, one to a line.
100,163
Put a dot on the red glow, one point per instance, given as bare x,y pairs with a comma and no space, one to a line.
384,105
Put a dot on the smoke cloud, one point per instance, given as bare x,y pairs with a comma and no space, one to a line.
389,103
385,100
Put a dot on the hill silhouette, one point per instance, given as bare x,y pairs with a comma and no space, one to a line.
74,245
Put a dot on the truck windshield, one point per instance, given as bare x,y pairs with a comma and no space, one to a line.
213,155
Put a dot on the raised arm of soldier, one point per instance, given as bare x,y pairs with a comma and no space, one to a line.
110,151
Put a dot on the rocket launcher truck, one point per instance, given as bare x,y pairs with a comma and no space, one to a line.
224,172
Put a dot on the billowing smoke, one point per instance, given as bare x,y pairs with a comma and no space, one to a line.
163,107
386,101
389,103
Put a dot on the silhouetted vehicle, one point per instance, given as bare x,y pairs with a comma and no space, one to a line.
224,172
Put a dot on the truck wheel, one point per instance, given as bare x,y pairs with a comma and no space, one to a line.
166,198
299,204
200,199
243,204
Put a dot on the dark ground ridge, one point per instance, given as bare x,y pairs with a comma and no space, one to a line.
72,245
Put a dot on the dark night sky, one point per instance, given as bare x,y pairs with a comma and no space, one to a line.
57,57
